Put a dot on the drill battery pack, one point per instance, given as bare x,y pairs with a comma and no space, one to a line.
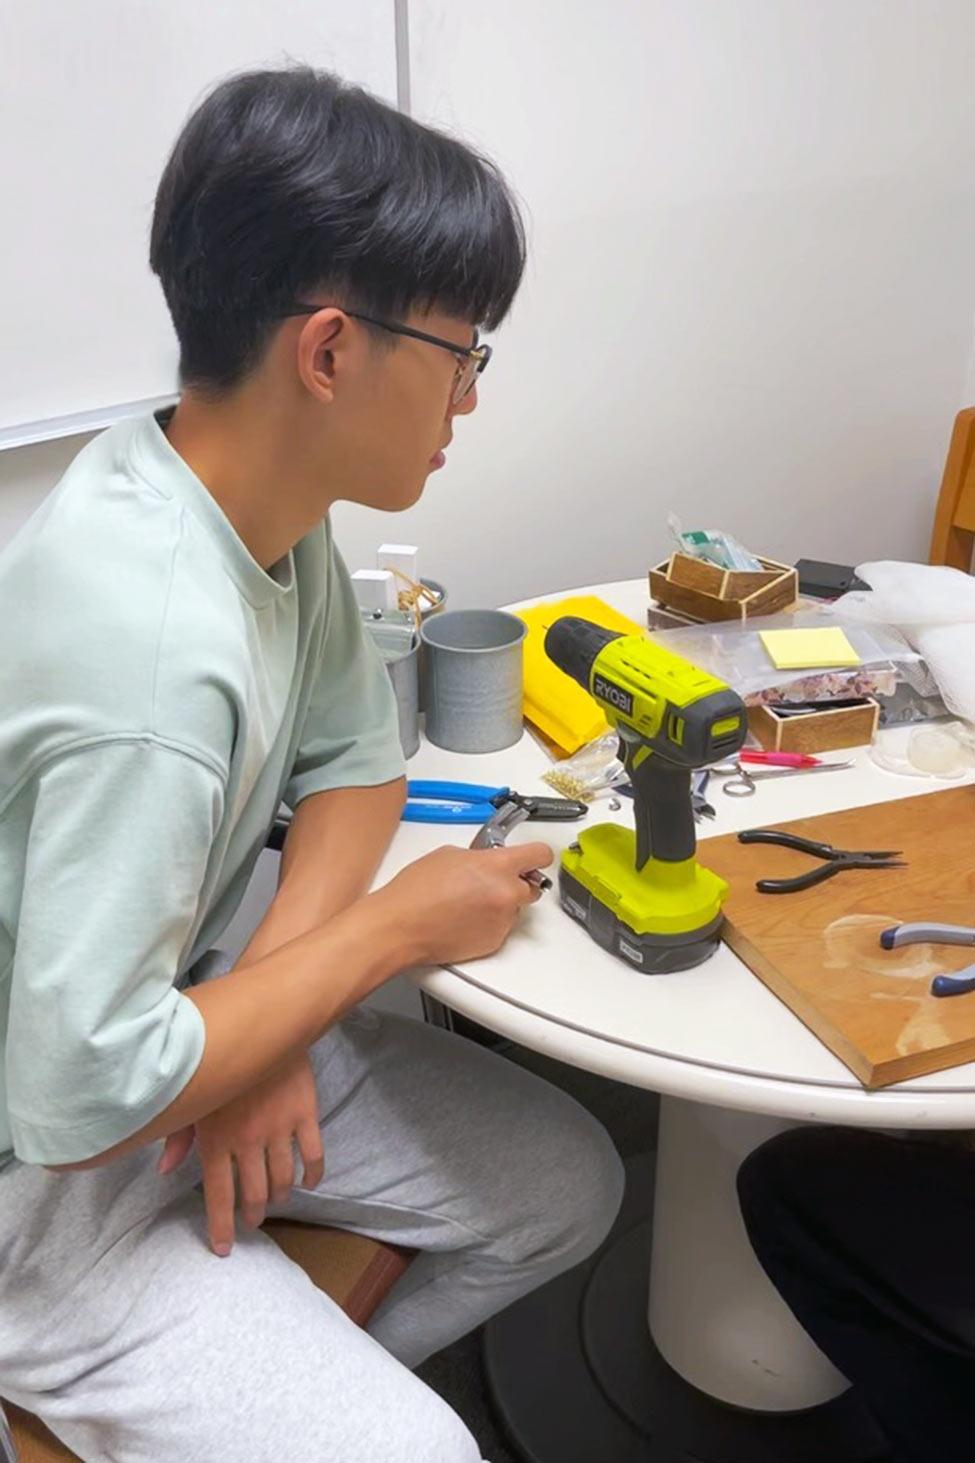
664,918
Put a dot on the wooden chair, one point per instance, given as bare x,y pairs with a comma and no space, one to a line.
355,1271
953,539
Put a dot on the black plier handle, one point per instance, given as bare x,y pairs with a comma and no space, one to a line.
835,860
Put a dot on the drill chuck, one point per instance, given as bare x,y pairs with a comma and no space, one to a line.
573,645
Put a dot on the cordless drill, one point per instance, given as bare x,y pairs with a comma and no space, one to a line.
642,893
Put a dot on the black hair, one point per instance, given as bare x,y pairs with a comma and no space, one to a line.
291,181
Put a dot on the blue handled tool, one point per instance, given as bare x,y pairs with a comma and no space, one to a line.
957,984
471,802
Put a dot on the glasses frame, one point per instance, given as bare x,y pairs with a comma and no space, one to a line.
472,360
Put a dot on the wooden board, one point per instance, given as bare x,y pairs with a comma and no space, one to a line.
819,950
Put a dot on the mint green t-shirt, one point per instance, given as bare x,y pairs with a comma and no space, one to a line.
160,696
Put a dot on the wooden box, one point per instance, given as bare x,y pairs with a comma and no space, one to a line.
828,730
702,591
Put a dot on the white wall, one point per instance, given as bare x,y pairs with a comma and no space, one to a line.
752,282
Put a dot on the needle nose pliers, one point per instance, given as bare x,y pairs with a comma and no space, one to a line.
835,860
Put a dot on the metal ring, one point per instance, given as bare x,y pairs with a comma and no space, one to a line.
739,787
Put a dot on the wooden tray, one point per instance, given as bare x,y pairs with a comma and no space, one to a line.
819,950
828,730
703,592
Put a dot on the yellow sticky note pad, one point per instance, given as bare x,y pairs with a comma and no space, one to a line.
799,650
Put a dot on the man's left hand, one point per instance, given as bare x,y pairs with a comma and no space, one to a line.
255,1134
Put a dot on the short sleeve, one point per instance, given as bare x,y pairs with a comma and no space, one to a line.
99,1040
350,735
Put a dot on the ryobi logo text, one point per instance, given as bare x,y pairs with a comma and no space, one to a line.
613,695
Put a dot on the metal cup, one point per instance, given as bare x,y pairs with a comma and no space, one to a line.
399,646
473,679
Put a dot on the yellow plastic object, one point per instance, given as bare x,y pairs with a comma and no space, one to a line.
563,712
798,650
660,899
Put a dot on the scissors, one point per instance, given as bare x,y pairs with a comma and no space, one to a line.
742,781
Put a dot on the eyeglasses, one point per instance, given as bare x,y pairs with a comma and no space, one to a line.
471,359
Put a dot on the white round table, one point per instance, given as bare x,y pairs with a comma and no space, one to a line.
732,1063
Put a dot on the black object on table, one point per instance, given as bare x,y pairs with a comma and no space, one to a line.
820,579
835,860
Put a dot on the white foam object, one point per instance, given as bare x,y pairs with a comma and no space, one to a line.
375,589
934,607
403,558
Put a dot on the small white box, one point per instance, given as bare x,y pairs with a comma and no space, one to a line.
401,557
375,589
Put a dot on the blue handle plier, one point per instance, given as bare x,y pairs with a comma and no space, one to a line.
961,981
470,802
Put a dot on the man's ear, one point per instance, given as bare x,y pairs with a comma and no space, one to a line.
322,346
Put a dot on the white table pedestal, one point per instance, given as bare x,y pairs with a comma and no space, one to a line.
576,1372
713,1313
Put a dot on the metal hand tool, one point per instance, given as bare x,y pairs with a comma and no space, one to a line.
835,860
470,802
956,984
741,781
699,794
496,830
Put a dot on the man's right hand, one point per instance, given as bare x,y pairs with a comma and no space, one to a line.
459,903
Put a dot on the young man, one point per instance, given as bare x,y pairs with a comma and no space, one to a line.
180,651
866,1238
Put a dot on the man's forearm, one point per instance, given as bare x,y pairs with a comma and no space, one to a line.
256,1015
333,848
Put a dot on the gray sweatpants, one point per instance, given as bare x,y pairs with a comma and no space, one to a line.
136,1344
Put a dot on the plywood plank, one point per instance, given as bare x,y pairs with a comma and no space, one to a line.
819,950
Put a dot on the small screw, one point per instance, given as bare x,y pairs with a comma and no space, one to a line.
614,805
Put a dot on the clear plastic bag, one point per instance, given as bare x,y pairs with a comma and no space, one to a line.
734,653
713,546
934,606
594,769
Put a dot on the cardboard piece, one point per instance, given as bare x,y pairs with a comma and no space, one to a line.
819,950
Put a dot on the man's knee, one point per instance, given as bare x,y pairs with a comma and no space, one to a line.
431,1429
572,1181
601,1181
395,1418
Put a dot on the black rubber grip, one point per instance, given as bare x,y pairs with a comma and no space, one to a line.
573,645
664,811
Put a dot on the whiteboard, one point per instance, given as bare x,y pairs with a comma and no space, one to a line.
92,96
